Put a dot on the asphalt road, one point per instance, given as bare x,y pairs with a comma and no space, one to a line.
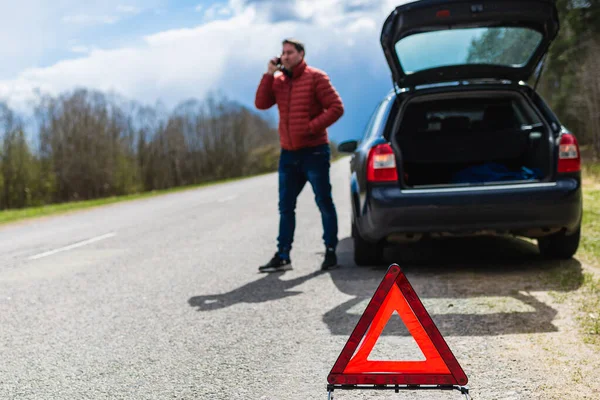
161,299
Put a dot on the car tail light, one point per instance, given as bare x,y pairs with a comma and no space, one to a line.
569,159
381,164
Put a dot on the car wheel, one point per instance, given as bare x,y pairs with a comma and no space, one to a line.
560,245
366,253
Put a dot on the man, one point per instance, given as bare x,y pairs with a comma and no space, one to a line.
308,104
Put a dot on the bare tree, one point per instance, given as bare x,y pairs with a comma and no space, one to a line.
93,145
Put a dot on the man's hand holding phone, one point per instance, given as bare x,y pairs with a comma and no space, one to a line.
273,65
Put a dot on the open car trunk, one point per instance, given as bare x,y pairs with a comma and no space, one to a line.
471,139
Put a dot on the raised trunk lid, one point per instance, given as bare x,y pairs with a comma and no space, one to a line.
432,41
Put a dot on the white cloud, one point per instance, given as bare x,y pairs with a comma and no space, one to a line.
35,33
217,11
80,49
93,19
85,19
362,24
228,53
128,9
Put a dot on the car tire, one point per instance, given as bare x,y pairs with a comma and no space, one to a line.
366,253
560,245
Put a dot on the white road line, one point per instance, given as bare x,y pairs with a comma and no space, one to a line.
72,246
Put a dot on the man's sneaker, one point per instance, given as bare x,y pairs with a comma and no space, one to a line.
276,264
330,261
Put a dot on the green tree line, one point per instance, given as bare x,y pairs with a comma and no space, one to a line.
88,145
571,79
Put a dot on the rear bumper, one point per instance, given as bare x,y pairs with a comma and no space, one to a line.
529,210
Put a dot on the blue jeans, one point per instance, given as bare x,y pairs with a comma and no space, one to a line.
295,169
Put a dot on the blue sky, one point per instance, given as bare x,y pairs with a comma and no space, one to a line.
167,51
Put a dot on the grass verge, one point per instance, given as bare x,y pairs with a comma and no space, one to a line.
7,216
589,252
591,173
590,234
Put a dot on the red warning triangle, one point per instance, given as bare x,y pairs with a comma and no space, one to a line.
395,293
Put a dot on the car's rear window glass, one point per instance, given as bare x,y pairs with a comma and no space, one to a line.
512,46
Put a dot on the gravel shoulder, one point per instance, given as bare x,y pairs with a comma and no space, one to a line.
510,318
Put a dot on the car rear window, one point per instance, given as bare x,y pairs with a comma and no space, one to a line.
504,46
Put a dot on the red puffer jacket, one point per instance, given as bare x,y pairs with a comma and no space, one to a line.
308,104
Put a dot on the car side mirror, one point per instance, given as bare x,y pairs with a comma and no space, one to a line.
348,146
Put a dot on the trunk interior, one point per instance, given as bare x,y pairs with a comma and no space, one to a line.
466,139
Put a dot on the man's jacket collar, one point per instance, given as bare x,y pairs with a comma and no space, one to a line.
297,71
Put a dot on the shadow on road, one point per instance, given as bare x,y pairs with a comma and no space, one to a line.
268,288
475,273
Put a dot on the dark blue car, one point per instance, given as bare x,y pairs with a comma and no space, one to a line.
462,145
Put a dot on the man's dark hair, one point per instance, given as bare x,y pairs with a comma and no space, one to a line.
296,43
